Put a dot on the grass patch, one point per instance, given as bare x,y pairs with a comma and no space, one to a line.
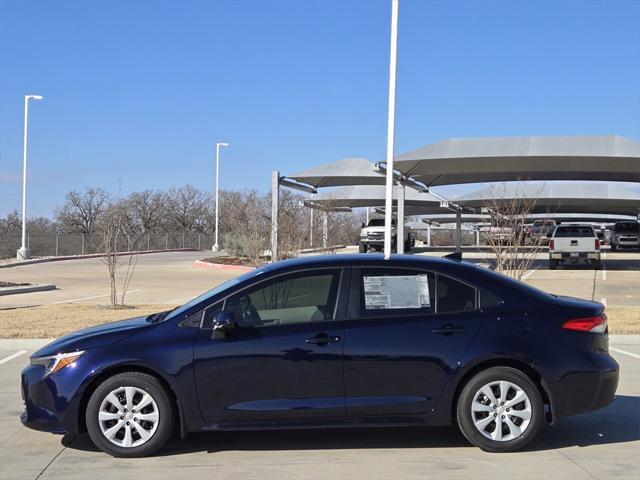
623,320
52,321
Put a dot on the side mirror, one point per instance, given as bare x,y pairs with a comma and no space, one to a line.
364,224
222,322
549,234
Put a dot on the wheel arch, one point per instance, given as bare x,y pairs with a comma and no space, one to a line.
126,368
532,373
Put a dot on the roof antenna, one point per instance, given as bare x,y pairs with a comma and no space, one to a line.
456,256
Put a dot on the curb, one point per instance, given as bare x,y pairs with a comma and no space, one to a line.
27,289
222,266
624,339
92,255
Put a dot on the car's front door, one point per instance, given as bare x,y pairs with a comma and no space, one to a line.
283,360
400,350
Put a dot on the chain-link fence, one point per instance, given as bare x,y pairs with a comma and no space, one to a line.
51,245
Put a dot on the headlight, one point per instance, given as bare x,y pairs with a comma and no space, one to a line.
54,363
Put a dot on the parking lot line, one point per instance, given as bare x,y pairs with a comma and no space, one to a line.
11,357
87,298
529,273
624,352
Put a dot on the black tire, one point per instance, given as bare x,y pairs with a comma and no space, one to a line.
150,385
394,244
464,416
362,247
553,264
407,245
613,247
597,265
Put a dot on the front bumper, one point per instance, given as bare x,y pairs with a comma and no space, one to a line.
52,402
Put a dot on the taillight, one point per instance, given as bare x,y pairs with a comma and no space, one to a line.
597,244
589,324
552,245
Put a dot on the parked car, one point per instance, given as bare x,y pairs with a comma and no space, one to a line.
539,232
372,236
574,244
625,235
334,341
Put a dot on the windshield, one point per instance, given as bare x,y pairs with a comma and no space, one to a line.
628,227
212,292
378,222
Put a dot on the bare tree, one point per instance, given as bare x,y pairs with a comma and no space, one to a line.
187,207
111,229
80,213
506,235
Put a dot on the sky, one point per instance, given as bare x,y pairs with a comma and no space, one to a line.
137,93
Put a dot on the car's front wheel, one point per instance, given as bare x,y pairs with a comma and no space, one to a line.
500,410
130,415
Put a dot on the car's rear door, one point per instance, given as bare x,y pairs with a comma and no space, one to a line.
284,359
400,352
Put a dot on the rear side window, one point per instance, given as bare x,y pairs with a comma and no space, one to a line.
574,232
455,296
396,291
489,300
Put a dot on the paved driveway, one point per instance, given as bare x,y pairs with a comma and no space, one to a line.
601,445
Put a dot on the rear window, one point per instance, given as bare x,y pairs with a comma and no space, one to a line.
627,227
379,222
574,232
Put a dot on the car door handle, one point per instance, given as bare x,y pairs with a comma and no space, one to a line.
449,329
322,339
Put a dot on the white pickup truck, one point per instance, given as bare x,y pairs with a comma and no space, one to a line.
372,236
574,244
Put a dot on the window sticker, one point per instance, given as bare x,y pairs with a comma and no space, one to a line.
410,291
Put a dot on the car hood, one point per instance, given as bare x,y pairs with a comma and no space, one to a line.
93,337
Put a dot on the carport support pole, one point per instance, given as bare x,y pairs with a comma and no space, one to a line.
325,229
275,200
311,227
458,231
477,237
400,220
428,234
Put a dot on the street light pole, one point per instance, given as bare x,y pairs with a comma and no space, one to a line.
216,247
388,211
23,251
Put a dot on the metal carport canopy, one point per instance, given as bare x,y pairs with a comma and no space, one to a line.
495,159
372,196
559,197
348,171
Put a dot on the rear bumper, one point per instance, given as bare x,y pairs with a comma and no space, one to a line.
583,391
575,256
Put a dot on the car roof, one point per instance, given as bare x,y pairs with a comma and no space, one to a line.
359,259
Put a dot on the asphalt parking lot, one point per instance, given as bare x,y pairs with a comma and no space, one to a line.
600,445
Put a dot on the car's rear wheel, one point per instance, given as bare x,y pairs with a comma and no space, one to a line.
500,410
130,415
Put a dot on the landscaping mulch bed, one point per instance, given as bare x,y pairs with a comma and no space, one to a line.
230,260
13,284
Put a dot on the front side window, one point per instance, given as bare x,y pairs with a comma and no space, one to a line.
455,296
298,298
396,291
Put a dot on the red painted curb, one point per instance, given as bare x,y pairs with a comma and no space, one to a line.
222,266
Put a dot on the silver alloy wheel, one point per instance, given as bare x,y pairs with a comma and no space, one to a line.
128,416
501,411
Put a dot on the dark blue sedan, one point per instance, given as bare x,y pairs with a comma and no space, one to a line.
330,342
